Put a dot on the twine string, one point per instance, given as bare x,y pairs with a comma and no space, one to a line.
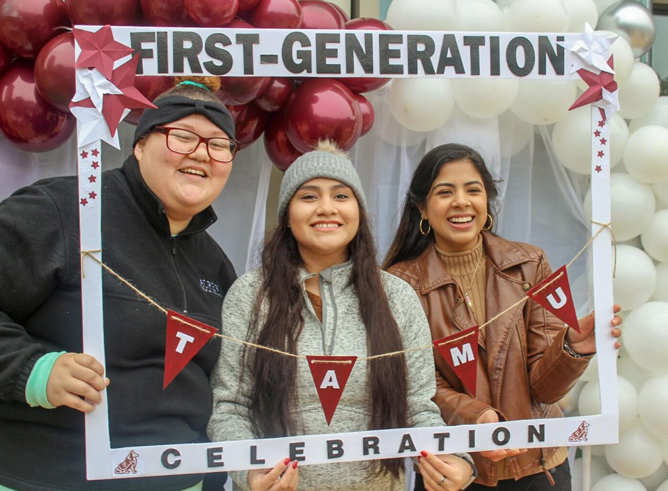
90,253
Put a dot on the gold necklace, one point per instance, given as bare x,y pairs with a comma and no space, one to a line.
468,289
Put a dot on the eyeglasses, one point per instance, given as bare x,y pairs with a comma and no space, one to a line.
186,142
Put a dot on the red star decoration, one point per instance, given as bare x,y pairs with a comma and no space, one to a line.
99,50
600,154
92,178
601,124
114,104
84,201
95,164
603,141
92,195
596,83
84,155
598,168
597,133
95,152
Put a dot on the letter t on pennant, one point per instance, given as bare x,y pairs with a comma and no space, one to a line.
183,342
460,351
330,374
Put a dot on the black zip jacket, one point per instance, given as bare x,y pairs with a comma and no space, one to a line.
40,312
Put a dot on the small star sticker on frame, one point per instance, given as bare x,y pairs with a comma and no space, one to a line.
599,168
92,195
84,155
600,154
597,133
601,124
92,178
603,141
84,201
95,152
95,164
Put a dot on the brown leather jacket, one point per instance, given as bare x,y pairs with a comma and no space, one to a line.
527,367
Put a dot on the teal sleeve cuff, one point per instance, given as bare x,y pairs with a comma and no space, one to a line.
39,377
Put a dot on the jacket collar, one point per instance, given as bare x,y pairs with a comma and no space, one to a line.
503,254
151,206
338,276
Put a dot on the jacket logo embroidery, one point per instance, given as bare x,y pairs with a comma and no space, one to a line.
210,287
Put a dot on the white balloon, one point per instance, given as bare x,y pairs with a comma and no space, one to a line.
615,482
569,403
589,401
571,139
655,237
639,92
635,278
485,98
638,453
425,15
544,101
657,116
622,54
653,405
480,16
422,104
628,369
661,289
591,372
389,128
536,16
646,154
645,336
598,470
601,5
663,487
580,12
655,480
632,206
514,134
660,189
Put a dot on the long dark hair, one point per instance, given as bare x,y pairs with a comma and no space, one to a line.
274,390
408,241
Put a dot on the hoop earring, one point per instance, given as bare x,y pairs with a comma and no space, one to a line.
491,222
421,230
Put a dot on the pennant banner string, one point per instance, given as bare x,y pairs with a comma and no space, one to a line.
604,226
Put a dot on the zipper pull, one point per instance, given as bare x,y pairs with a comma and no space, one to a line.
173,243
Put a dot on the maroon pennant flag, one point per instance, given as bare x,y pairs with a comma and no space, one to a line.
461,352
330,374
556,297
183,342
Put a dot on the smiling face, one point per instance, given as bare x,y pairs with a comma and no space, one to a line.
456,206
185,184
324,218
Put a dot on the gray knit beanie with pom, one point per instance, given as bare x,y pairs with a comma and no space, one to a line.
318,164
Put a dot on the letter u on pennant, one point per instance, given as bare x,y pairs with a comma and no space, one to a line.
556,297
460,351
330,374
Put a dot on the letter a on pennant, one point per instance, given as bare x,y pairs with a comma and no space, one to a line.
556,297
330,374
183,342
460,351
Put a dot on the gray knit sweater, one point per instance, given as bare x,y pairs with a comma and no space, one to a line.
341,332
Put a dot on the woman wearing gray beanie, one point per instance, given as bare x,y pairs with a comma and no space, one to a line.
320,291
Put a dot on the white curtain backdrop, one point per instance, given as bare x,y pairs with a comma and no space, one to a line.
541,201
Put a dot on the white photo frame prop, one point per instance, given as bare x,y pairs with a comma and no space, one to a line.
313,53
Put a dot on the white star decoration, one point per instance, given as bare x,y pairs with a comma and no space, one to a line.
92,127
590,50
91,83
609,103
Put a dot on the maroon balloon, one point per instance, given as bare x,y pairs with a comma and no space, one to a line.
274,96
341,12
212,13
26,25
320,15
5,58
26,119
54,71
166,13
241,90
101,12
150,86
246,5
368,114
323,108
249,122
238,23
277,144
278,14
365,84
